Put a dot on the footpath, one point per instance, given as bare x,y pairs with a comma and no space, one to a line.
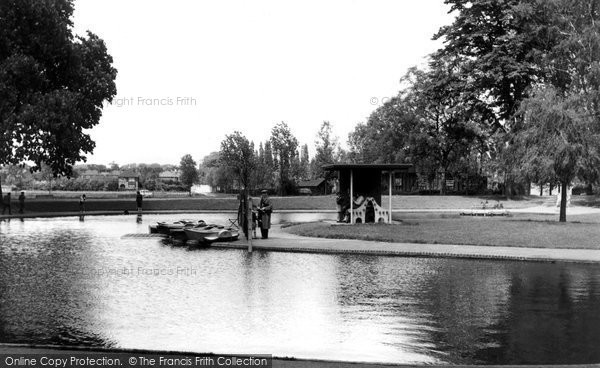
280,240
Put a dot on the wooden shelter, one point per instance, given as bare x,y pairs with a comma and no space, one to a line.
315,186
366,180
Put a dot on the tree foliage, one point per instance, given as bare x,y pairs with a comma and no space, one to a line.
560,136
237,153
445,131
189,173
284,146
326,148
52,85
495,47
384,137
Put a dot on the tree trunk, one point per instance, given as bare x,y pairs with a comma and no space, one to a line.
443,183
505,189
541,190
563,202
550,189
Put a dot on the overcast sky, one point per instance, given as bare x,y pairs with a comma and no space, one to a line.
190,72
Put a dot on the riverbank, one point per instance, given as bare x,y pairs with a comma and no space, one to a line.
282,239
58,205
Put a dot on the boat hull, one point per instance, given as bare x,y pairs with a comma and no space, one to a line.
200,234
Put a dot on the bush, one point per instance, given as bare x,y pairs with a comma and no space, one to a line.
150,184
112,186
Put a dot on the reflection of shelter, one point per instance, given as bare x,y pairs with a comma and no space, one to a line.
367,180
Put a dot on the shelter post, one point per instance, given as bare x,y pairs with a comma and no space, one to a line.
351,196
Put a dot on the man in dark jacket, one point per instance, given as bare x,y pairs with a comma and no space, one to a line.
22,202
138,201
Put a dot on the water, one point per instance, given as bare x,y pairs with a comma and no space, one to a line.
63,281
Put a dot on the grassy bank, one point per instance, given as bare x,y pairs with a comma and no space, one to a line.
169,204
535,231
43,205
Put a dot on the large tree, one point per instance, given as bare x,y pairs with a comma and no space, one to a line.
496,46
326,147
384,137
561,138
215,174
561,120
52,85
284,146
237,153
189,172
446,130
305,171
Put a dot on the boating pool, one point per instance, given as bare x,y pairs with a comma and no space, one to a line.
65,281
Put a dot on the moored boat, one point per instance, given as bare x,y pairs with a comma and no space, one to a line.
200,233
166,227
225,235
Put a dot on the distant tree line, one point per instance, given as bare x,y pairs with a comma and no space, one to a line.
22,178
278,164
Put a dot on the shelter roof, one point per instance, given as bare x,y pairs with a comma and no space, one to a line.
383,167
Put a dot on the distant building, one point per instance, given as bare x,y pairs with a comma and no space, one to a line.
89,174
201,189
129,180
315,186
99,176
169,175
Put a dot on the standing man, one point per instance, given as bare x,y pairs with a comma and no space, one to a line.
264,212
6,204
22,203
82,203
138,201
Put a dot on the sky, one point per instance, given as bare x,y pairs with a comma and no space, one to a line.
192,71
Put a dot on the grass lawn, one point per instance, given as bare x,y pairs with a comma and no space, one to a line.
537,231
462,202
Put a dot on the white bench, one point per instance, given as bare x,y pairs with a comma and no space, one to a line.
359,213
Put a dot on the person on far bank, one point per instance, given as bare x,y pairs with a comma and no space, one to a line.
6,204
265,208
22,203
82,203
138,201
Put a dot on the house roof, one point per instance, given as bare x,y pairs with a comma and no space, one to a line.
129,174
334,167
89,173
311,183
